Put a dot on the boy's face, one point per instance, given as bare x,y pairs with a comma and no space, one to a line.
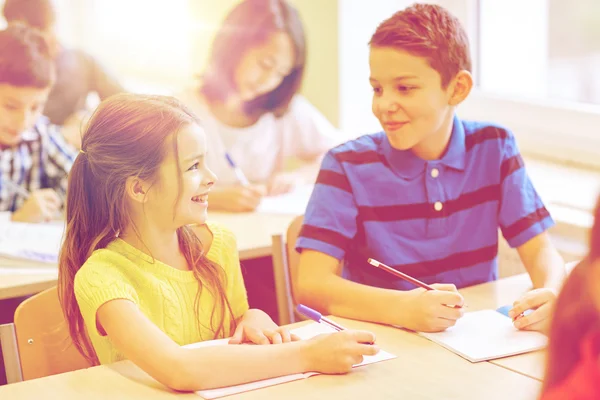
20,107
408,100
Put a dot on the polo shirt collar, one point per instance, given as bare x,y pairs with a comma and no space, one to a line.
408,165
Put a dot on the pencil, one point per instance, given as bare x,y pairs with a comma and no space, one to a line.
399,274
407,278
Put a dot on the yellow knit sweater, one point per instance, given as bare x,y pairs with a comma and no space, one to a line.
164,294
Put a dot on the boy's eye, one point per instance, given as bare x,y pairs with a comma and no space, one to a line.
9,107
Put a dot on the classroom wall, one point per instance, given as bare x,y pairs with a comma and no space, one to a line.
320,17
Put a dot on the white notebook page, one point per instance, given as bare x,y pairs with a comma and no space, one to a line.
304,332
487,335
293,203
36,242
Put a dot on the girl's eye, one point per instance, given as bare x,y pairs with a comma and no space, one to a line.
377,90
195,166
405,89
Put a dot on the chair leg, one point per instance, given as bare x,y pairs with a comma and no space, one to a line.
10,353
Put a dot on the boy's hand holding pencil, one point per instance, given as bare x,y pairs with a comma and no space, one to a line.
431,308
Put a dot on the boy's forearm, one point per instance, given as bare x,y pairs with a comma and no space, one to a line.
335,295
547,269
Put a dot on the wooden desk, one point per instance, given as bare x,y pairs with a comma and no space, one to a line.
503,292
423,370
19,285
252,230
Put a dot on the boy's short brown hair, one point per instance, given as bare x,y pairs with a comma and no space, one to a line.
427,31
39,14
25,57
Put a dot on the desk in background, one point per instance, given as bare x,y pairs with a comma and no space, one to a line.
252,230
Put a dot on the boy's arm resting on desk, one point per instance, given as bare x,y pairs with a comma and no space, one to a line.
543,262
320,286
524,221
547,271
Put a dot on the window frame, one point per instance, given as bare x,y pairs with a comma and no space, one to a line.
560,131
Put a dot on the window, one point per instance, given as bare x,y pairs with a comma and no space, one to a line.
544,49
538,73
147,43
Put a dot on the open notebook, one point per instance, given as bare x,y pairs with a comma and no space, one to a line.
305,332
487,335
36,242
293,203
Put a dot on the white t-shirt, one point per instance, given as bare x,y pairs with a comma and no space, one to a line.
260,150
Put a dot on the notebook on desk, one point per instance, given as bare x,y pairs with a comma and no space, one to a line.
487,335
304,332
292,203
36,242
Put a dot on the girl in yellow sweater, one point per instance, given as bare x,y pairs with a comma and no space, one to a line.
142,272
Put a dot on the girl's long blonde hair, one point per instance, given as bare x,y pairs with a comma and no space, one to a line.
127,136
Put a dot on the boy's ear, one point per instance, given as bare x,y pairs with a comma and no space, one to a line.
136,189
460,87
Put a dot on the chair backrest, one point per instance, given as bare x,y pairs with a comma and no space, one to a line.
293,256
285,270
43,340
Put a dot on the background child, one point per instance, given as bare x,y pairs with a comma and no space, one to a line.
425,196
34,159
250,107
141,272
77,73
573,370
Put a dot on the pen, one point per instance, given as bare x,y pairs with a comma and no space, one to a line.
15,187
238,172
317,317
401,275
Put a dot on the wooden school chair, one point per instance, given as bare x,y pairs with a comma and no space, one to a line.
38,344
285,269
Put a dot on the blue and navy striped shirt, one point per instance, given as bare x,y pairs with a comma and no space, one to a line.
42,159
435,220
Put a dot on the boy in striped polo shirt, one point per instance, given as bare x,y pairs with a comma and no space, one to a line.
34,159
425,196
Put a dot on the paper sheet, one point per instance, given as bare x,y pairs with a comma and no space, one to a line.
487,335
293,203
35,242
305,332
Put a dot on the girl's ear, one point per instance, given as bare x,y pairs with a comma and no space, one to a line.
136,189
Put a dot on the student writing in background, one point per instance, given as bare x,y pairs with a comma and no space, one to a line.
425,196
34,159
249,103
77,73
573,370
143,272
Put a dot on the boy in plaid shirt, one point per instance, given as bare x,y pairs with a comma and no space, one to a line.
34,158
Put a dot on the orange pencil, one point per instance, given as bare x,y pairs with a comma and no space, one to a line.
402,275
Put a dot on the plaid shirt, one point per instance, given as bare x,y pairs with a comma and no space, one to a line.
42,159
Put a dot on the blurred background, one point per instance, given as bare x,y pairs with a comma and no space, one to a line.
537,62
